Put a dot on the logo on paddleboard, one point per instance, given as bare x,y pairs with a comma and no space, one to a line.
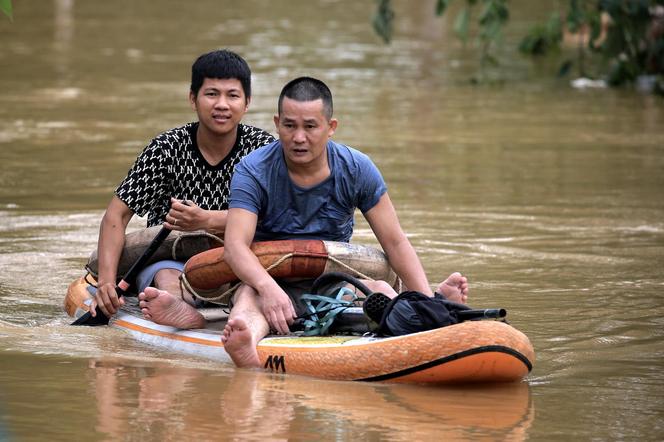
275,363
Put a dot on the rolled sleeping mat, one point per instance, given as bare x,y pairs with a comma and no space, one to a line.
207,274
179,246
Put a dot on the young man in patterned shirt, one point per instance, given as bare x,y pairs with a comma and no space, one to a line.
192,163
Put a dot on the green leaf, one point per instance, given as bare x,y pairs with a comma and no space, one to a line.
565,68
492,18
532,43
543,38
575,16
441,6
6,7
382,20
491,31
461,24
554,27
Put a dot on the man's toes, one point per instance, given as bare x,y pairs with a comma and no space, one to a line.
151,293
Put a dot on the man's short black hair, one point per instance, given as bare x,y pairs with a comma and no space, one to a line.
222,64
308,89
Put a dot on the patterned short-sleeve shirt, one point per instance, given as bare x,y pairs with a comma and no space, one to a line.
173,166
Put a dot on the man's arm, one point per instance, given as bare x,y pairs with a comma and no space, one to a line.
400,253
275,304
109,249
189,217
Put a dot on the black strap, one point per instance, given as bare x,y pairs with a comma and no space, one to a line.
332,277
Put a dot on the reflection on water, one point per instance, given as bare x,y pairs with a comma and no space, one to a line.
121,399
549,199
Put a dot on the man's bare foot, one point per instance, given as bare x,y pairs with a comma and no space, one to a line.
454,288
163,308
239,344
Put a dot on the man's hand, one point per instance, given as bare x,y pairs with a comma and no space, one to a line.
186,216
107,299
278,310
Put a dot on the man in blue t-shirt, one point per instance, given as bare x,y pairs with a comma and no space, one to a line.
323,210
306,186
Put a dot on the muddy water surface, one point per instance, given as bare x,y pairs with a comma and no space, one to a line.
549,199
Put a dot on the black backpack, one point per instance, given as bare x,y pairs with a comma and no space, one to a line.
409,312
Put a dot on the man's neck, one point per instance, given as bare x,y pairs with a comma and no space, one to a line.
308,175
213,147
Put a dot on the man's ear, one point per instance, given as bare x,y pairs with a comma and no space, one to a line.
247,103
276,121
333,127
192,100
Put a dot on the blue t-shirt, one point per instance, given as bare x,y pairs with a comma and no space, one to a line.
261,185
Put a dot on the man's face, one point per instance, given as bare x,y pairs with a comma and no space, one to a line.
303,130
220,105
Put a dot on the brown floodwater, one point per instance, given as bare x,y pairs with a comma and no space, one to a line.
549,199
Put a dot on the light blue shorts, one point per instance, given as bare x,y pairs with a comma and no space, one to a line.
146,276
